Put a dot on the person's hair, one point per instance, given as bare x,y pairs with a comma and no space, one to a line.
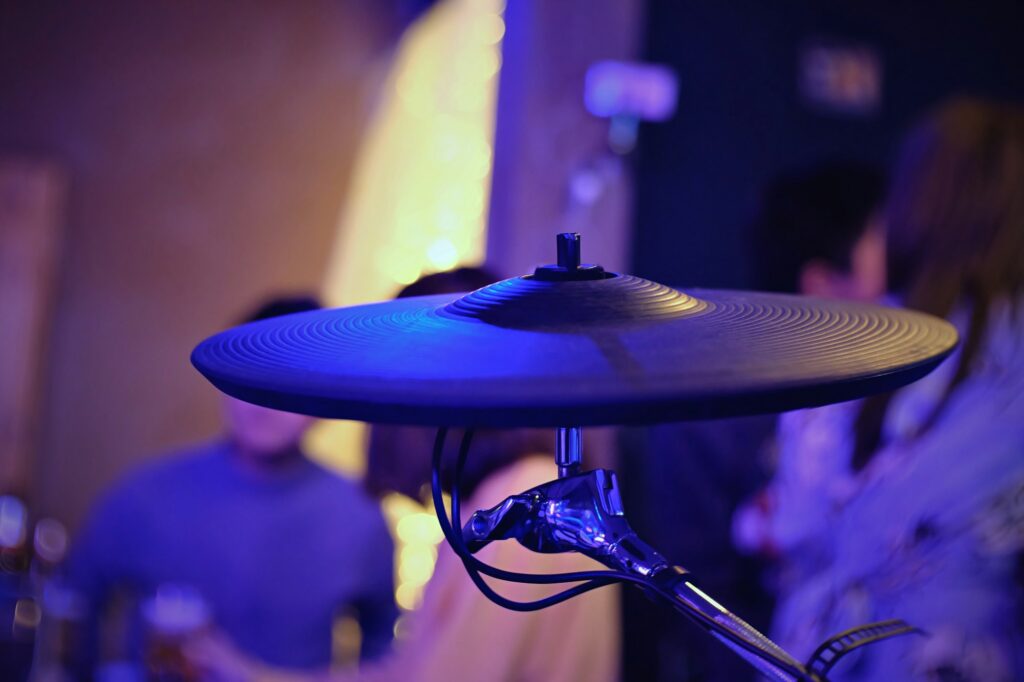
456,281
955,219
818,213
389,470
276,306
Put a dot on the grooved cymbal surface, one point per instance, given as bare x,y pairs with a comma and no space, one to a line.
621,350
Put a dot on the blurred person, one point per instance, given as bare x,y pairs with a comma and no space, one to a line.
816,233
245,532
457,633
819,234
932,528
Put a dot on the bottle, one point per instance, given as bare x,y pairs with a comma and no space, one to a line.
60,635
172,615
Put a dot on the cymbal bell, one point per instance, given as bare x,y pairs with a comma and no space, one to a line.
550,349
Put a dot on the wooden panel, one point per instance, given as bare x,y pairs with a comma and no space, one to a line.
547,143
208,151
31,206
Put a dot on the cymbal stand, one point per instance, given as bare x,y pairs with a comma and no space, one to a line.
582,512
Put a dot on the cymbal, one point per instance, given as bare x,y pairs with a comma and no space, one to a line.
549,351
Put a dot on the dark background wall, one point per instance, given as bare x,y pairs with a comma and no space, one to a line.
741,120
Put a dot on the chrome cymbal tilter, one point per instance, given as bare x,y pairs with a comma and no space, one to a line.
582,512
568,450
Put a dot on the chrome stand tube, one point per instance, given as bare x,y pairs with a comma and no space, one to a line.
568,450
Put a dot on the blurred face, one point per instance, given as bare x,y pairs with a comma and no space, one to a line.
868,263
865,280
262,433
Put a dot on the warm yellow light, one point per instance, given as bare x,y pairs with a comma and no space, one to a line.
400,266
421,183
408,598
416,564
442,254
397,507
491,28
448,220
416,533
488,65
419,528
417,204
479,159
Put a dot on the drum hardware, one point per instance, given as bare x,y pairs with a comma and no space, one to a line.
575,344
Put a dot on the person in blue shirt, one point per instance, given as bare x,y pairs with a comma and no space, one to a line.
274,547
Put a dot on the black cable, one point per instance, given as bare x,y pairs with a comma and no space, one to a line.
475,567
457,542
590,579
549,578
598,579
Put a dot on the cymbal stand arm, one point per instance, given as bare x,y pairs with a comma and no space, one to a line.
583,513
